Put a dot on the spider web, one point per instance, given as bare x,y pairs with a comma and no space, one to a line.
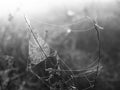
35,53
41,55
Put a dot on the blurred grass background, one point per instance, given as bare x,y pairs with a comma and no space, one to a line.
75,48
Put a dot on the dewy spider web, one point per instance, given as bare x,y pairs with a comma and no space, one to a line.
37,57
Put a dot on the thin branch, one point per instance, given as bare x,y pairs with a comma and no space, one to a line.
30,28
96,26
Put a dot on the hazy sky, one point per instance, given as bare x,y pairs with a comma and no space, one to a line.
43,6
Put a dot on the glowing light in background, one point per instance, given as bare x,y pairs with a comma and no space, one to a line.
41,6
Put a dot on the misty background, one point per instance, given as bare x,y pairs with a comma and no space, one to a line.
75,47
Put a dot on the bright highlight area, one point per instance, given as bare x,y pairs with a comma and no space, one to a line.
41,6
